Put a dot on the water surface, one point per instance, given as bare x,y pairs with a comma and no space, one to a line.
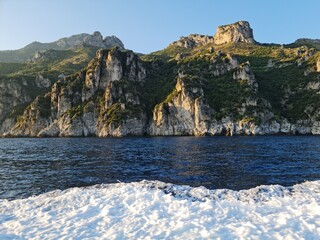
33,166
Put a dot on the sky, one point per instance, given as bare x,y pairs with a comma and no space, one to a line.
150,25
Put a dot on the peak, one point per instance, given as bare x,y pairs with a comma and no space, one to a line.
236,32
111,41
239,23
97,33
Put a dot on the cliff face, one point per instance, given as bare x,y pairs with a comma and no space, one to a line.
212,88
193,40
101,100
15,95
186,112
237,32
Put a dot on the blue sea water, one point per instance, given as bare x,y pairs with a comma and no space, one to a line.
32,166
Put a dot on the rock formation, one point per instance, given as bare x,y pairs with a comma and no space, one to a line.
193,40
100,101
29,52
198,86
94,40
237,32
13,96
113,41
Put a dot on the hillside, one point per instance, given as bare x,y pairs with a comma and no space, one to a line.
226,84
75,41
22,81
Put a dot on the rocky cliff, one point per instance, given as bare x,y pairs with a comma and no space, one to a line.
102,100
193,40
197,86
235,33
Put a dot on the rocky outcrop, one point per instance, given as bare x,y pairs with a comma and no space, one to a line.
185,111
184,114
94,40
100,101
13,98
304,54
227,63
193,40
34,118
235,33
113,41
200,90
244,74
42,82
37,51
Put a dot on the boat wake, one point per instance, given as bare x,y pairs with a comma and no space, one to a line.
153,209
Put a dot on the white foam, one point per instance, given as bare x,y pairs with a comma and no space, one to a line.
155,210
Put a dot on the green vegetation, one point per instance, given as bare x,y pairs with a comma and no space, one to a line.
117,113
281,81
75,112
53,63
161,79
282,84
44,105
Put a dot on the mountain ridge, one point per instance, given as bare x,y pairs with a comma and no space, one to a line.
195,86
94,40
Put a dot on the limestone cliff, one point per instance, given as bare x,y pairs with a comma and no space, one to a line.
101,100
15,95
197,86
237,32
193,40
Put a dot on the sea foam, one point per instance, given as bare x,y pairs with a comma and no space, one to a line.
157,210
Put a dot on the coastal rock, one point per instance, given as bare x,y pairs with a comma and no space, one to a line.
200,90
13,97
184,114
34,120
237,32
99,101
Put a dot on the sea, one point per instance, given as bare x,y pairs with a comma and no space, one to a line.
257,187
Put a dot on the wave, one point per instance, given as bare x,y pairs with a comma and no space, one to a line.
158,210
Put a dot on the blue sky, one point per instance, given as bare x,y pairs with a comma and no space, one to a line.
150,25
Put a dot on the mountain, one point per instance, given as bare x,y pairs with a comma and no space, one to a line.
94,40
21,82
226,84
